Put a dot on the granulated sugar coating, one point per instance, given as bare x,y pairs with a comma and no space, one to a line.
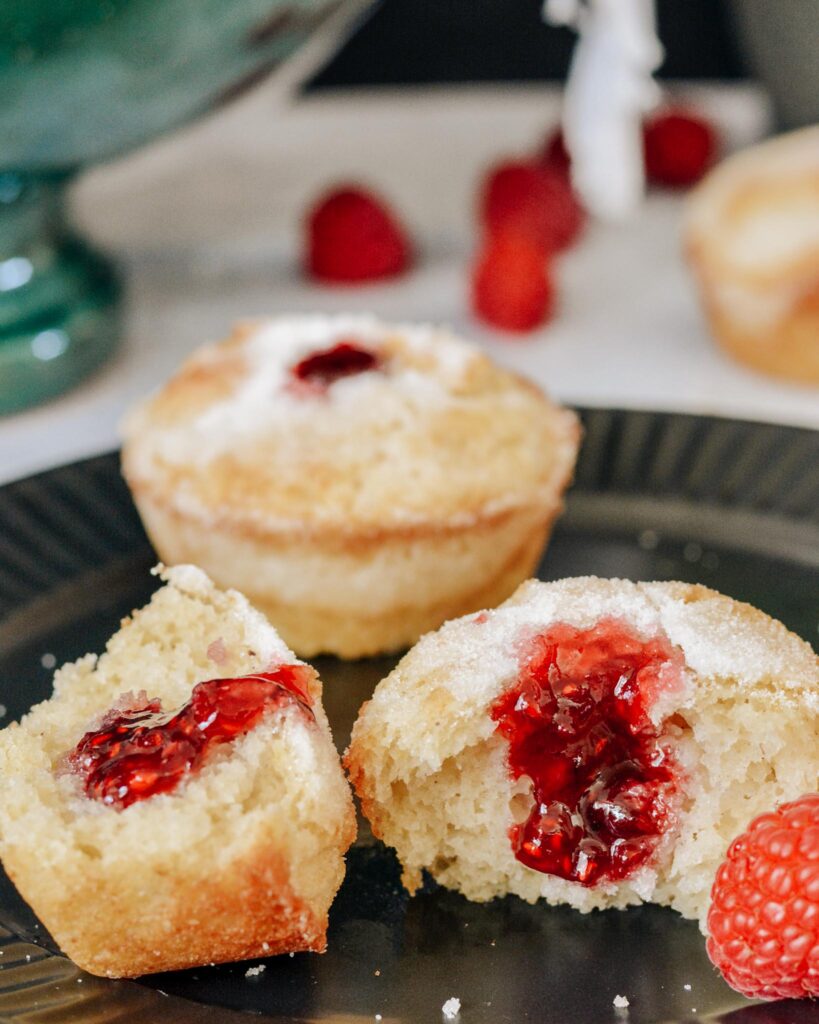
451,1008
360,481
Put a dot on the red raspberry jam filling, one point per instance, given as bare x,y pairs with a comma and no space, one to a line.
141,751
604,780
345,359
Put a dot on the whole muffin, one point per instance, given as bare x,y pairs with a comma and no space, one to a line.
592,742
360,482
752,236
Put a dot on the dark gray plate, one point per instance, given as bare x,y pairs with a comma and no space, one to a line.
658,496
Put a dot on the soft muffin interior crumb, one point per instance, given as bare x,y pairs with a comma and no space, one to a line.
432,771
284,771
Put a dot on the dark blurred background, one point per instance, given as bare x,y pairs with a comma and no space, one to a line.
416,41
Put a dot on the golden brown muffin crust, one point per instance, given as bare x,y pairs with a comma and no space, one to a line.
442,435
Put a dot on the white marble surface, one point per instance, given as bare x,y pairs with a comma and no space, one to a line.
206,223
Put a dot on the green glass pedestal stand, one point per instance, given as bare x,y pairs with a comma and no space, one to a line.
58,298
82,81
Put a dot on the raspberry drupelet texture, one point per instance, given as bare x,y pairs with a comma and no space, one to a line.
763,923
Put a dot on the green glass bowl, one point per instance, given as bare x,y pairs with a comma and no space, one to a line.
82,81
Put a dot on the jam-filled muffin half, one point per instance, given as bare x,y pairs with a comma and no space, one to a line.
179,800
592,742
360,482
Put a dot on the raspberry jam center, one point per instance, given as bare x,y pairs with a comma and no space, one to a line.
346,359
141,751
604,781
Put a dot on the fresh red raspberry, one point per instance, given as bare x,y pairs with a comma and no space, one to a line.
679,147
523,197
763,923
555,155
511,287
352,236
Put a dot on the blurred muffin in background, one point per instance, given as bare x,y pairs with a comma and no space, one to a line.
752,237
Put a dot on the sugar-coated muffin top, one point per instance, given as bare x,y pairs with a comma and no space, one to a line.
410,426
465,665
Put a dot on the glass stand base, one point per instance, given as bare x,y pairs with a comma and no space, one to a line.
59,308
